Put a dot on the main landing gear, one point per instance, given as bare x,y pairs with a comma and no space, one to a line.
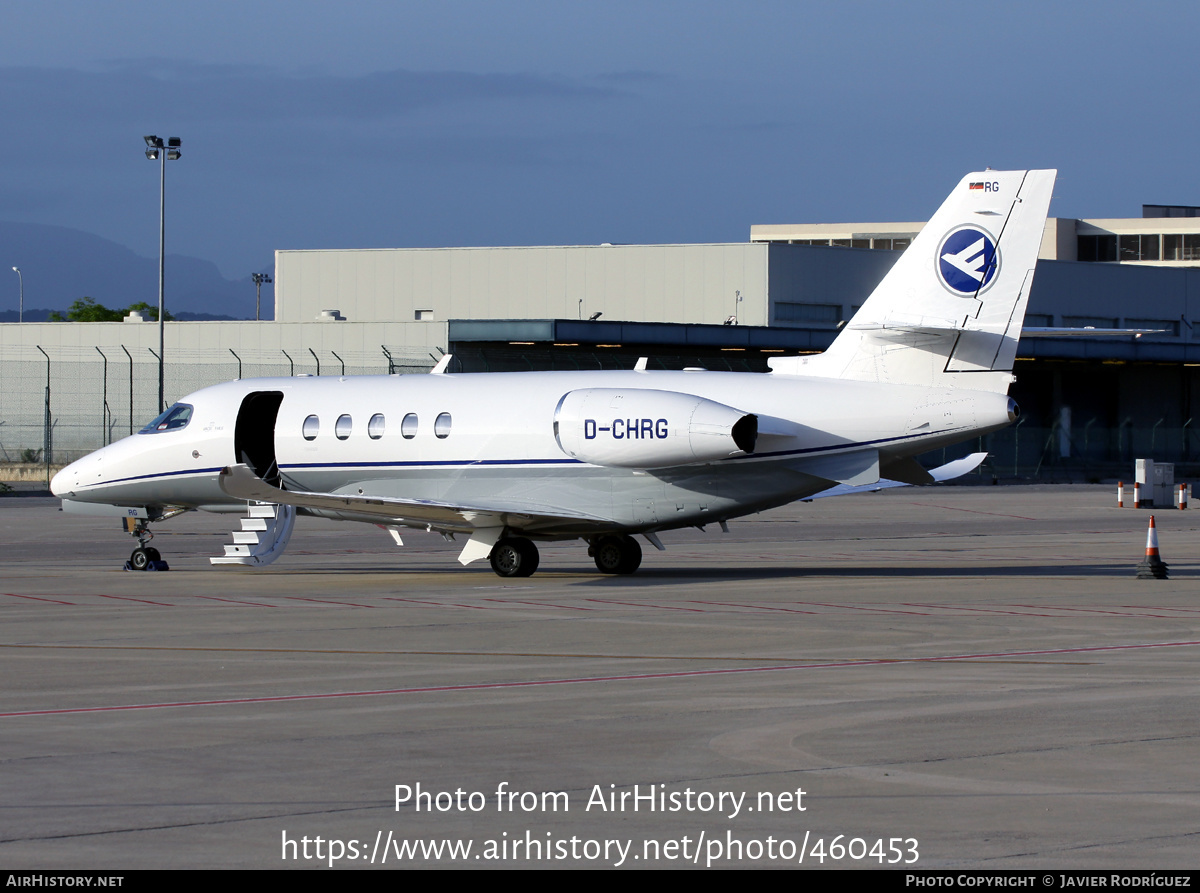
144,557
514,556
616,554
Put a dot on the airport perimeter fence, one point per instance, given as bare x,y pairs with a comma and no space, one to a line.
58,404
1087,453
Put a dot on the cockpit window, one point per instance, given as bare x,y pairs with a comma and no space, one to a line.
172,420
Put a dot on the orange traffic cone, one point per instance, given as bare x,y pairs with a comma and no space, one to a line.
1152,566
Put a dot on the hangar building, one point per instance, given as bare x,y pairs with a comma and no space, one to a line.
1088,403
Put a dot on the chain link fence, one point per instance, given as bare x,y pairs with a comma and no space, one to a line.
1087,453
59,404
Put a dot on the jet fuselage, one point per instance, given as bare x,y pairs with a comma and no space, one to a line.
490,439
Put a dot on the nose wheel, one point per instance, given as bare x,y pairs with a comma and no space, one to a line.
141,559
144,557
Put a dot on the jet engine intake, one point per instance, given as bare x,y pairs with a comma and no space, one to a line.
640,428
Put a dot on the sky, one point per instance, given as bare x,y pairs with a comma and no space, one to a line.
391,124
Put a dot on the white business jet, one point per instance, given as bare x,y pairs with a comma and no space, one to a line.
506,460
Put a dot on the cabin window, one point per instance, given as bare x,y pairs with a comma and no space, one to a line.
173,419
312,425
441,426
375,426
408,427
341,428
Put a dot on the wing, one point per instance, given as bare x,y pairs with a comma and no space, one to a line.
240,482
947,472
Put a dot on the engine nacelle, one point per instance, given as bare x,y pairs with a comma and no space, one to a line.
639,428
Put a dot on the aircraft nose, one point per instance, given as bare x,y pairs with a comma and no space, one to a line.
67,482
62,484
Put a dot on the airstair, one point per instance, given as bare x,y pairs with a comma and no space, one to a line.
265,532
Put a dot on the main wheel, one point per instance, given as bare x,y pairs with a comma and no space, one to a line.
140,559
617,554
514,557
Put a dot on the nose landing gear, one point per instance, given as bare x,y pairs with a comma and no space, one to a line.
144,557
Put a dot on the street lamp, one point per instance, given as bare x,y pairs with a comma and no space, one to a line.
157,151
259,279
21,284
737,299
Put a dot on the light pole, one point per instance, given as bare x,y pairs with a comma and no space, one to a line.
259,279
21,285
157,151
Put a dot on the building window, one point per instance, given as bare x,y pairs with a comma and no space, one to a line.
1097,248
1170,211
375,426
1139,247
441,425
342,427
408,427
1181,246
312,425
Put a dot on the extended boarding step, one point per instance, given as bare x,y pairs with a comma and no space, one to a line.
265,532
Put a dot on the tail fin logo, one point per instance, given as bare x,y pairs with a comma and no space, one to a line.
968,260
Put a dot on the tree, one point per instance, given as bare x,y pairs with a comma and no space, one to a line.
88,310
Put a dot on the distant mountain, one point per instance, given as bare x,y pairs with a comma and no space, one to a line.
40,314
61,265
37,314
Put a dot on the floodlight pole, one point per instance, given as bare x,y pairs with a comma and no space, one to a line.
21,285
259,279
162,258
156,150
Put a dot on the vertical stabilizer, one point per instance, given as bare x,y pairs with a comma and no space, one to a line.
949,313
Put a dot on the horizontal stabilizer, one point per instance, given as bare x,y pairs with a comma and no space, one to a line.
1087,332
